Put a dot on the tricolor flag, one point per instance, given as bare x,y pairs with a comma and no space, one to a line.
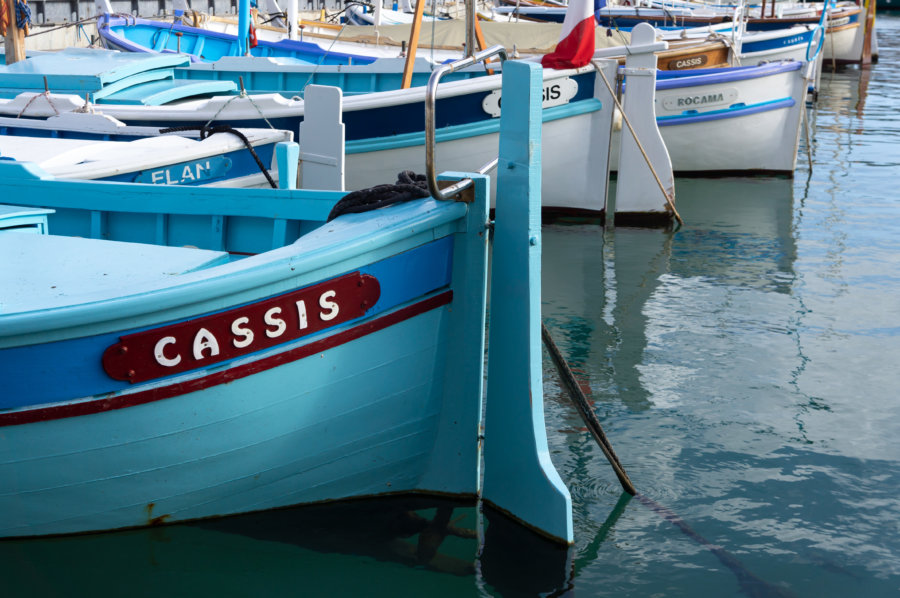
576,42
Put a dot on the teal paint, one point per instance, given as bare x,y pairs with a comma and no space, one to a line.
519,477
287,157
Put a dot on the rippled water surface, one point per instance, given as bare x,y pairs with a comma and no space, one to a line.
746,368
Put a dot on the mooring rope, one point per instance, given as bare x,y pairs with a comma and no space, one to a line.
409,186
243,94
587,414
750,584
638,142
206,131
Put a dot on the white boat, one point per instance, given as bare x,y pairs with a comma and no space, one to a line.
385,129
78,145
744,120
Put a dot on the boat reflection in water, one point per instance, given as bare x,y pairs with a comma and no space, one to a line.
339,549
606,311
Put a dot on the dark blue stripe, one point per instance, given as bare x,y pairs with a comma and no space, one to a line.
796,39
695,77
398,119
242,164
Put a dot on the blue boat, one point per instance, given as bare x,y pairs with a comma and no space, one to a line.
171,354
133,34
108,77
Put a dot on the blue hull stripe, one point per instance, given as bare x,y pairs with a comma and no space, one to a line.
689,119
388,121
33,376
242,165
692,78
778,42
223,376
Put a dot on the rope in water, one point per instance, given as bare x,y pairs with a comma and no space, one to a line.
638,142
749,583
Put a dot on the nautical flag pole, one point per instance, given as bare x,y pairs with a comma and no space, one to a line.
576,41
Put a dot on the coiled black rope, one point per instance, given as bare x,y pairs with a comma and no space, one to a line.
409,186
206,131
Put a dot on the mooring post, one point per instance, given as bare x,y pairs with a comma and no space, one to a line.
287,157
15,37
321,139
519,478
645,169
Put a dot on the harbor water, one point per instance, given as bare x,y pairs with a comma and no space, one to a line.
745,367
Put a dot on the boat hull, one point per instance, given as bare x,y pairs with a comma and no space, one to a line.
153,404
307,431
742,121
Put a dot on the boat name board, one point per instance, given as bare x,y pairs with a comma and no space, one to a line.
792,41
556,93
688,102
204,341
838,22
691,62
187,172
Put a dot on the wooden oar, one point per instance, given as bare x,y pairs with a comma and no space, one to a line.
587,414
749,583
413,44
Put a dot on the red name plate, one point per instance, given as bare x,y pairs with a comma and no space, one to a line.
211,339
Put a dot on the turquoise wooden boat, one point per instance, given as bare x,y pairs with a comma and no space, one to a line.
107,77
133,34
173,353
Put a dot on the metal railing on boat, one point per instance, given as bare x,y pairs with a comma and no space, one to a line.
430,97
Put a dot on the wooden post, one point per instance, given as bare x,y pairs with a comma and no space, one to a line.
646,185
15,37
869,24
321,138
519,477
479,36
413,44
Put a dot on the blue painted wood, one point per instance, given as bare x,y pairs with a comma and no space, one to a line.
80,67
64,263
314,430
142,35
19,219
519,477
287,155
243,41
459,430
157,93
368,416
394,405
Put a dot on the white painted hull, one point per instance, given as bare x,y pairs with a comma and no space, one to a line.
565,170
843,45
762,141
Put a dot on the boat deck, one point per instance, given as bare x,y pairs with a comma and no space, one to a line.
48,271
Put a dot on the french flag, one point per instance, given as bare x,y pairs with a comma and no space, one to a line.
576,42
